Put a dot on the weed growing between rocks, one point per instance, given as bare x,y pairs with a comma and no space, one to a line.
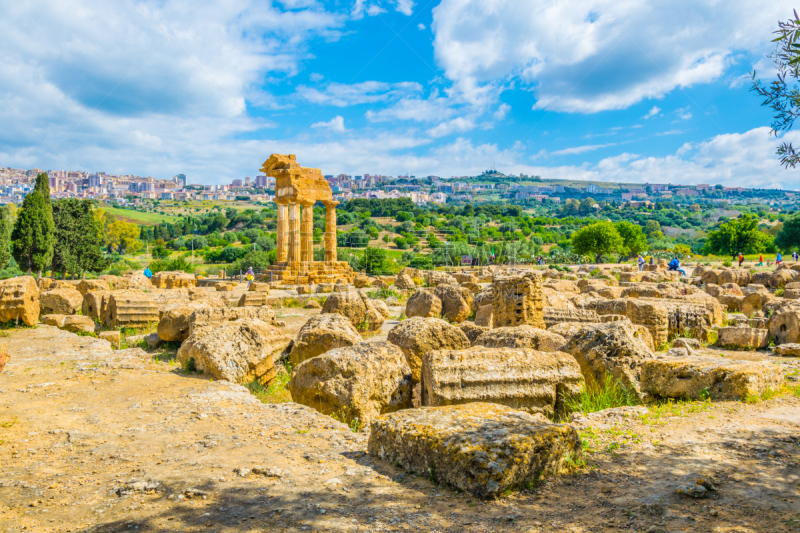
595,397
383,294
345,416
277,392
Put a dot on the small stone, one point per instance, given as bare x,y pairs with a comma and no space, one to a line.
333,483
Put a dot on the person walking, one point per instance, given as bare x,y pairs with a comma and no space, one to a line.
640,262
778,259
741,259
760,260
250,276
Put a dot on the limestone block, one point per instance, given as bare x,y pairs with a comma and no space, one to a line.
88,285
321,334
788,350
754,302
455,307
562,286
131,309
60,301
781,277
206,316
484,297
517,301
361,281
483,317
479,448
95,304
173,280
111,336
78,324
174,324
731,302
736,338
784,325
417,336
382,307
472,331
354,382
356,307
258,286
423,303
736,275
254,299
404,281
614,349
553,316
53,320
719,378
521,337
520,378
240,351
651,315
465,277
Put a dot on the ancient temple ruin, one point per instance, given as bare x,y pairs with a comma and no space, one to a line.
298,186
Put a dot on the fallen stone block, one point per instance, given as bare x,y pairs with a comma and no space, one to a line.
788,350
517,301
95,304
472,331
553,316
738,338
483,317
417,336
60,301
174,324
131,309
356,382
784,325
356,307
455,304
88,285
111,336
479,448
520,378
239,352
78,324
716,378
321,334
614,349
521,337
19,300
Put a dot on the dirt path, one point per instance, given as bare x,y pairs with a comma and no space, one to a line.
100,440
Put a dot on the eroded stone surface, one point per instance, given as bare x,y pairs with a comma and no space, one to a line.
479,448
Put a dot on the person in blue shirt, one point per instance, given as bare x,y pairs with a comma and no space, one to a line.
148,273
779,259
676,266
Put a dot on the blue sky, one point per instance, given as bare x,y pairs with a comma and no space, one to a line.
610,90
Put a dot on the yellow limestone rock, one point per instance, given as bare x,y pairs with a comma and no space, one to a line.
479,448
19,300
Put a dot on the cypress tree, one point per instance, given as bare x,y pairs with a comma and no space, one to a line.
79,238
33,235
5,237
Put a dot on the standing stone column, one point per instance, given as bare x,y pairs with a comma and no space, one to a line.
294,233
281,234
330,231
307,234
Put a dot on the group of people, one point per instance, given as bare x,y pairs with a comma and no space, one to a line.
675,264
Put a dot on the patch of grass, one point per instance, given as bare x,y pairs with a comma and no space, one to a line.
190,366
596,397
345,416
663,347
277,392
4,333
662,409
713,337
383,294
779,291
9,423
402,316
15,324
86,334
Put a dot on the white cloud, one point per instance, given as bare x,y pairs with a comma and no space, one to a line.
109,91
582,149
342,95
335,124
594,55
502,111
652,113
684,113
420,26
406,7
458,124
375,7
416,109
315,76
670,132
375,10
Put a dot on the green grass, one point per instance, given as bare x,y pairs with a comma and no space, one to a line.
595,397
138,216
277,392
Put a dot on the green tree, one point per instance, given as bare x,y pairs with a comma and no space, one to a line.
651,227
78,238
789,236
738,235
32,237
634,241
375,260
597,240
780,95
5,237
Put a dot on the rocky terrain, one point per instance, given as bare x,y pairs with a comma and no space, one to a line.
94,438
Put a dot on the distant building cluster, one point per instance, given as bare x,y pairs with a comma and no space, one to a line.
492,185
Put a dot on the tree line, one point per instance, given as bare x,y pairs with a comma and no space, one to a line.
62,236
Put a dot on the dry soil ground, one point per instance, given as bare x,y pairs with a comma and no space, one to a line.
98,440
